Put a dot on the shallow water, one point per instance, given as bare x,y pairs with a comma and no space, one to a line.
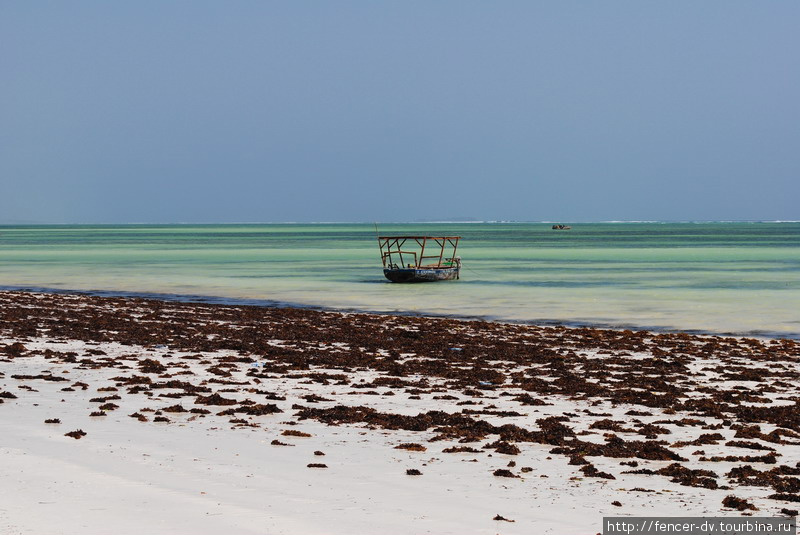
708,277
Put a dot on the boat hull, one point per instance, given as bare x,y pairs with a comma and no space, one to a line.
421,275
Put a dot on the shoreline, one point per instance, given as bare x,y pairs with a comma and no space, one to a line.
294,420
269,303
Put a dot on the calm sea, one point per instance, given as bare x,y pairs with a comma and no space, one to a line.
709,277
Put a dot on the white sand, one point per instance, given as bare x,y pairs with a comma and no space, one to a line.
200,475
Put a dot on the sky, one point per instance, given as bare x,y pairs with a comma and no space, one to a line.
262,111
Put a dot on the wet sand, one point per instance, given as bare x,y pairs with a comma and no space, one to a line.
174,417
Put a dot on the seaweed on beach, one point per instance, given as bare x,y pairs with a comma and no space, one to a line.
591,470
295,433
460,449
780,478
690,478
411,446
256,409
41,376
664,380
214,399
151,366
501,446
739,504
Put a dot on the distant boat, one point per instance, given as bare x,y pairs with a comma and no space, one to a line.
413,264
562,227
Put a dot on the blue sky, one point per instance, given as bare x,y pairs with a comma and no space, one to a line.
395,111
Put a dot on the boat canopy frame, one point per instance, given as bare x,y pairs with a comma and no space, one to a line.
392,249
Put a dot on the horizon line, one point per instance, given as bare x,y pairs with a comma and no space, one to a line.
416,222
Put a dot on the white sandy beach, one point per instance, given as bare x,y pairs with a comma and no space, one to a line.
200,475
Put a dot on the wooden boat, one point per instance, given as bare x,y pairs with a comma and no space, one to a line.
420,258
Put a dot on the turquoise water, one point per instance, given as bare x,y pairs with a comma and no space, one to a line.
711,277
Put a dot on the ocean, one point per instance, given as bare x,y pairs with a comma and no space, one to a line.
723,278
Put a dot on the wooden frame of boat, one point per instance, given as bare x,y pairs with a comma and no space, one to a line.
416,265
